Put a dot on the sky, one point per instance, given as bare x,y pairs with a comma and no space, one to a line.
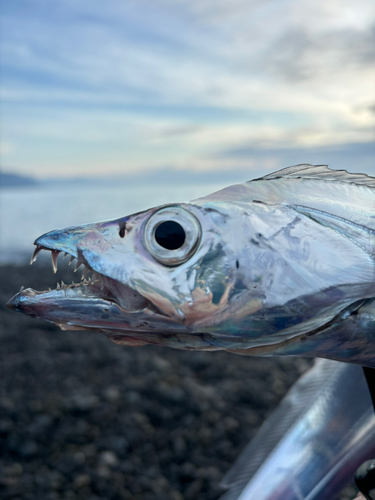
130,86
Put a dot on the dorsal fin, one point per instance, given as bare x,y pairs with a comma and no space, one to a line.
321,173
335,192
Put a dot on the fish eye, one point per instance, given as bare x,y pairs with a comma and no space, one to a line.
172,235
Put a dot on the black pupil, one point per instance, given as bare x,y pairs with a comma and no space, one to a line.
170,235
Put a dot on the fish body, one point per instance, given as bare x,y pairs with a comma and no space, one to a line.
314,441
281,265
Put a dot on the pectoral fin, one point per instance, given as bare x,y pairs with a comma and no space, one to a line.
362,236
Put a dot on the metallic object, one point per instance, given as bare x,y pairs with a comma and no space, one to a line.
312,444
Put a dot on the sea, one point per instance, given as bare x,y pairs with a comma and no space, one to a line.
30,211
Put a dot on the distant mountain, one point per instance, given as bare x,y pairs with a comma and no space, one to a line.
159,177
13,180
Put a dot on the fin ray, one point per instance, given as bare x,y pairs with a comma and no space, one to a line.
320,172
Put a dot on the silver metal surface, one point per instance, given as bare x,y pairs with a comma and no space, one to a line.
311,446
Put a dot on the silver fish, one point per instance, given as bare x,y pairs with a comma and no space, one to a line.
281,265
312,444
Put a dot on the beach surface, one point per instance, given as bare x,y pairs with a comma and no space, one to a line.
83,418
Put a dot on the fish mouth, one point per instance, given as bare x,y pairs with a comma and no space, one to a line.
96,302
99,285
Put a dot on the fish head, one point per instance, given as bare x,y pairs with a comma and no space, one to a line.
159,276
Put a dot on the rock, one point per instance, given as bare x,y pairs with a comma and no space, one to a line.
79,457
29,449
132,397
179,445
14,469
112,394
109,458
40,425
5,426
193,489
81,481
103,471
161,364
84,402
175,495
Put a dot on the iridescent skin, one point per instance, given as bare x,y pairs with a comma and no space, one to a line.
313,443
283,265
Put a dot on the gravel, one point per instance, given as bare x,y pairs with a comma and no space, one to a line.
82,418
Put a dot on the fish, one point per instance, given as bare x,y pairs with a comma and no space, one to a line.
313,442
281,265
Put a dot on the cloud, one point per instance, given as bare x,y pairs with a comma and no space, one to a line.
304,56
6,148
146,83
355,157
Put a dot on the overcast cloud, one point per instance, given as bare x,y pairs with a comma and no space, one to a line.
121,86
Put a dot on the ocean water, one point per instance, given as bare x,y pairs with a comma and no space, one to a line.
28,212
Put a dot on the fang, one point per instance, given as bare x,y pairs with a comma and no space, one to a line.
54,255
84,272
77,266
35,254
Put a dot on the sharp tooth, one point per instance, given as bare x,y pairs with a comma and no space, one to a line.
35,254
71,260
77,266
22,288
62,284
65,254
58,286
84,272
54,255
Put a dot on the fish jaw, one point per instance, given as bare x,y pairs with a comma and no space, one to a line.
90,305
